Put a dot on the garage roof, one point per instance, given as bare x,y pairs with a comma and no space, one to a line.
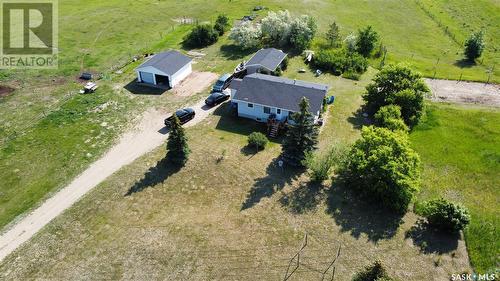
269,58
167,62
280,92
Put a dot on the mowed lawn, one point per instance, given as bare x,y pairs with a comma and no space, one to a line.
459,147
230,214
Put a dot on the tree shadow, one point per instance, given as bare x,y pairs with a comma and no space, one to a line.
358,120
249,150
275,180
464,63
360,217
431,240
234,52
137,88
303,199
155,175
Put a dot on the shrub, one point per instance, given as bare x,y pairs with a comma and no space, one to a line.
382,167
373,272
201,36
338,61
446,215
474,46
367,38
246,35
221,24
389,117
398,85
257,140
320,165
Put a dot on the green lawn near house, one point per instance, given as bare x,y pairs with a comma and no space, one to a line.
459,149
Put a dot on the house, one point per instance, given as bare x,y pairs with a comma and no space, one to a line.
165,69
259,96
265,61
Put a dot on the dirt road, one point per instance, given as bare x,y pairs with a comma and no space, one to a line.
464,92
147,135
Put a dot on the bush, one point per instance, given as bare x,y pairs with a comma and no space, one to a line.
389,117
382,167
474,46
201,36
373,272
367,38
338,61
257,140
320,165
221,24
397,85
446,215
246,35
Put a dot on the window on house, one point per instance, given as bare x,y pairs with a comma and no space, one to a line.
267,110
250,104
278,111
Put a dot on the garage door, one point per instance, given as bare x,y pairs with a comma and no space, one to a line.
147,77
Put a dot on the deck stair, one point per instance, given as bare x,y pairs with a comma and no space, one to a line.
274,129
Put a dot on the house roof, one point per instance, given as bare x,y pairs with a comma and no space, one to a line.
269,58
280,92
167,62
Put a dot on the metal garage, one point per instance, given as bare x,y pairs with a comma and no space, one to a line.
165,69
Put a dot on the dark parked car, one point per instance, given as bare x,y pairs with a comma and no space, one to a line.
222,83
184,116
217,97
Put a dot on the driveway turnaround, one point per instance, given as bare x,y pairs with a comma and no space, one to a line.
146,136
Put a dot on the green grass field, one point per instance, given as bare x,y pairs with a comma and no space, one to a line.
48,133
461,156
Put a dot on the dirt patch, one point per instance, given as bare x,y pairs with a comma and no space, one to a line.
5,91
194,83
464,92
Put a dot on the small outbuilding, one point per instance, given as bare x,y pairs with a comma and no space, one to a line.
165,69
266,61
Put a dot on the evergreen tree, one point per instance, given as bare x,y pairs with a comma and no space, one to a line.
177,146
474,46
301,137
333,35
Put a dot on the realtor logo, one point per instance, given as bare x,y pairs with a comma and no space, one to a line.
29,34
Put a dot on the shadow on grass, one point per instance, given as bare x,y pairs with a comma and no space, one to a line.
431,240
154,176
274,181
359,217
230,122
464,63
303,199
358,120
234,52
142,89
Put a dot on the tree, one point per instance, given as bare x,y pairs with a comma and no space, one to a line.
221,24
201,36
373,272
257,140
246,35
389,117
474,45
302,31
446,215
398,85
301,137
276,27
333,35
382,167
367,38
350,43
177,146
